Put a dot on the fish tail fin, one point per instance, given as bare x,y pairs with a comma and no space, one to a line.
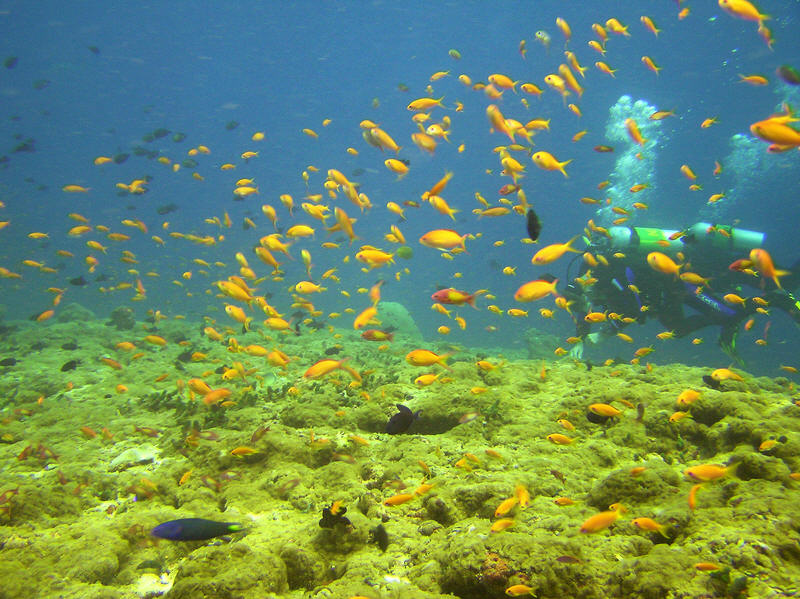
780,273
442,361
569,244
471,298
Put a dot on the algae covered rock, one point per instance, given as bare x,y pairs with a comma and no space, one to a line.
304,569
649,577
122,318
230,571
656,482
134,456
75,313
92,555
472,567
396,315
539,344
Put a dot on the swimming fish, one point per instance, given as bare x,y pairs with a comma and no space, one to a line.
402,420
194,529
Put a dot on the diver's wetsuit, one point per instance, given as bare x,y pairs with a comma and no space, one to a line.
625,290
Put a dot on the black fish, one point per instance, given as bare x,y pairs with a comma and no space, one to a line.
194,529
71,365
10,62
596,418
331,520
400,422
380,536
78,281
8,361
231,125
788,73
166,209
711,381
151,564
70,345
94,49
29,145
186,356
534,225
120,158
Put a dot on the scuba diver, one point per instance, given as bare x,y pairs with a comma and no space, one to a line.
630,287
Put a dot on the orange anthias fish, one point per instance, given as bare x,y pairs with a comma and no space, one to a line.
534,290
456,297
742,9
763,264
776,129
377,335
548,162
662,263
443,239
498,121
601,521
322,368
709,472
424,357
553,252
634,133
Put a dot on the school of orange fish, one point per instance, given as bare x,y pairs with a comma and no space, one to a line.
336,204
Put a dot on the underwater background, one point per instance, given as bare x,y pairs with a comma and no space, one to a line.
147,150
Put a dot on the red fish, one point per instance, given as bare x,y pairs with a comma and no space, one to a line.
456,297
740,264
377,335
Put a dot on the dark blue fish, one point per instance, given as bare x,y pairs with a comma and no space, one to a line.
534,225
400,422
194,529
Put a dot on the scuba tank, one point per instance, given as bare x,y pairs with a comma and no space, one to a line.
644,239
734,241
700,237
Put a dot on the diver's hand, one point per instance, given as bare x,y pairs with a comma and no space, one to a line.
576,351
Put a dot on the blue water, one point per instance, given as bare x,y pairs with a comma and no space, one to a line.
282,67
